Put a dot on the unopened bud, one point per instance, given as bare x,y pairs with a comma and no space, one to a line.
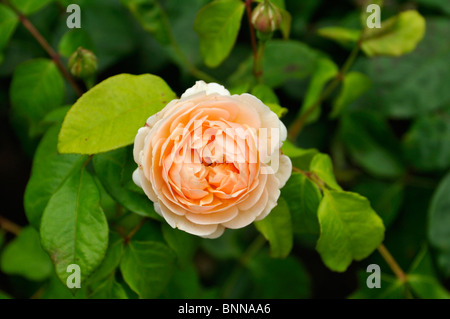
266,17
83,63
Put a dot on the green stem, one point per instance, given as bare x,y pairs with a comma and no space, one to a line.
185,62
9,226
299,122
46,46
396,269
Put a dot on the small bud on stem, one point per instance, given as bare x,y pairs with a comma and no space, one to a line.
83,63
266,17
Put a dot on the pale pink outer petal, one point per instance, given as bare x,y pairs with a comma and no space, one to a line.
212,102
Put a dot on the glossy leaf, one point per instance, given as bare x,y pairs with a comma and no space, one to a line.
284,60
28,7
349,229
324,71
341,35
386,198
111,261
37,88
73,39
303,199
371,144
115,169
422,278
438,221
74,229
415,88
427,143
121,105
8,24
49,172
151,16
354,85
277,229
25,257
301,158
284,272
218,25
397,36
108,289
322,166
147,267
183,244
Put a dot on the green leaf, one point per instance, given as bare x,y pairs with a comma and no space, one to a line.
385,198
415,88
268,97
147,267
25,257
8,24
225,247
422,278
277,229
109,115
354,85
115,169
438,221
218,25
74,229
28,7
49,172
108,289
286,22
301,158
343,36
349,229
324,71
151,16
55,289
183,244
390,288
427,143
111,261
322,166
371,143
284,60
444,6
184,284
72,40
37,88
303,199
397,36
289,279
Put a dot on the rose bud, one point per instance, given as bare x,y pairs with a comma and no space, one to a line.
266,17
83,63
210,160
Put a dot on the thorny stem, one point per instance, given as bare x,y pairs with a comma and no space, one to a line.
46,46
9,226
300,121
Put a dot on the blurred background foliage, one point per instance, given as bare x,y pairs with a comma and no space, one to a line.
390,143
